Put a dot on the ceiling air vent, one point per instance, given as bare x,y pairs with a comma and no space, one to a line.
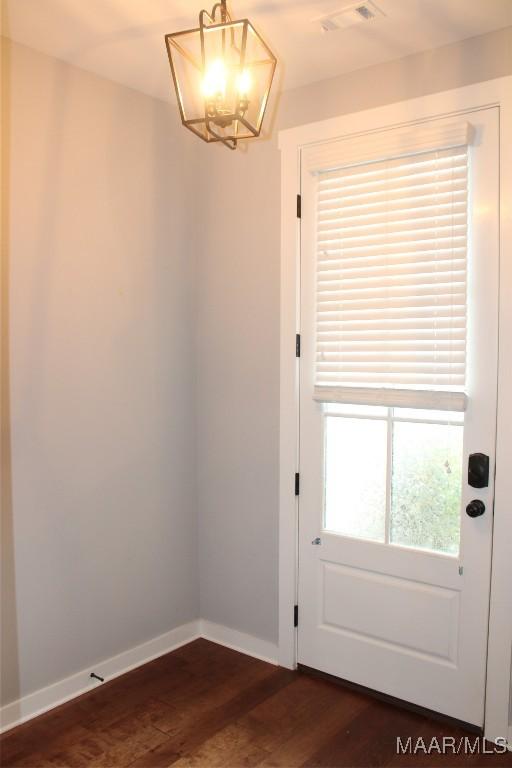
365,12
349,16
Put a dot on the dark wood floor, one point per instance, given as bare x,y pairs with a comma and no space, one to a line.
204,705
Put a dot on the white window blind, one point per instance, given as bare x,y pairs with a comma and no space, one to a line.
391,238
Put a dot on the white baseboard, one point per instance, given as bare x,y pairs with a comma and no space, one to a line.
47,698
239,641
58,693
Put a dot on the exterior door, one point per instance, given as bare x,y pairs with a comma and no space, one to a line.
394,556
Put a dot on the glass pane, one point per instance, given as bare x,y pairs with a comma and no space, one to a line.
355,477
426,486
346,409
451,417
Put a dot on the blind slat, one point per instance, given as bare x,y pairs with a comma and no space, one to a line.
374,267
426,202
392,325
392,215
398,340
410,195
433,282
443,177
396,250
447,223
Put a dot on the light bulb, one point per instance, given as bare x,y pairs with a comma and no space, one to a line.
243,83
215,79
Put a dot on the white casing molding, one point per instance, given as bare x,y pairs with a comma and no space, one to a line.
64,690
458,102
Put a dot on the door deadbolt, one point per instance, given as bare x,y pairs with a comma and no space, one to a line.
478,470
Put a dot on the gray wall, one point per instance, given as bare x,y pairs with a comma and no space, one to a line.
100,535
238,330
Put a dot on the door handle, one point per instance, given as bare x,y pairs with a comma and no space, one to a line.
475,508
478,470
318,540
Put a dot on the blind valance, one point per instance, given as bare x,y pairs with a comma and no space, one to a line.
386,144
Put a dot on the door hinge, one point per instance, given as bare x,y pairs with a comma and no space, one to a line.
297,483
297,345
299,206
295,615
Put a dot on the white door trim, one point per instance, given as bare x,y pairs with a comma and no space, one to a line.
490,93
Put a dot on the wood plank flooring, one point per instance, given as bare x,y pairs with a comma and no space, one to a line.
205,705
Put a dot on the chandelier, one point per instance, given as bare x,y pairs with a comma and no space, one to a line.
222,73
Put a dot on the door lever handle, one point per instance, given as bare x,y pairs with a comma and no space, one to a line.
318,540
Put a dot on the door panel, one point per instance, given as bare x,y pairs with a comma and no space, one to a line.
404,614
395,596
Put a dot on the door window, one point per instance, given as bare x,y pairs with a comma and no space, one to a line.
394,475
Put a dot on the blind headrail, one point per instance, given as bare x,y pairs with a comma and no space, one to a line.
386,145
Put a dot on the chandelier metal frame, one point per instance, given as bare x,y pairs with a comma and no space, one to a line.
214,124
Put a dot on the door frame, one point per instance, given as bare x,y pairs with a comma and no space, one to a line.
455,102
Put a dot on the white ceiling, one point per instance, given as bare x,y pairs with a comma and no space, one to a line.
124,39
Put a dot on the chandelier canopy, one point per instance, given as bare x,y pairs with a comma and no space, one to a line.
222,73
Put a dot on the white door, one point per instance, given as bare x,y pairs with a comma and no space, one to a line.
394,573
